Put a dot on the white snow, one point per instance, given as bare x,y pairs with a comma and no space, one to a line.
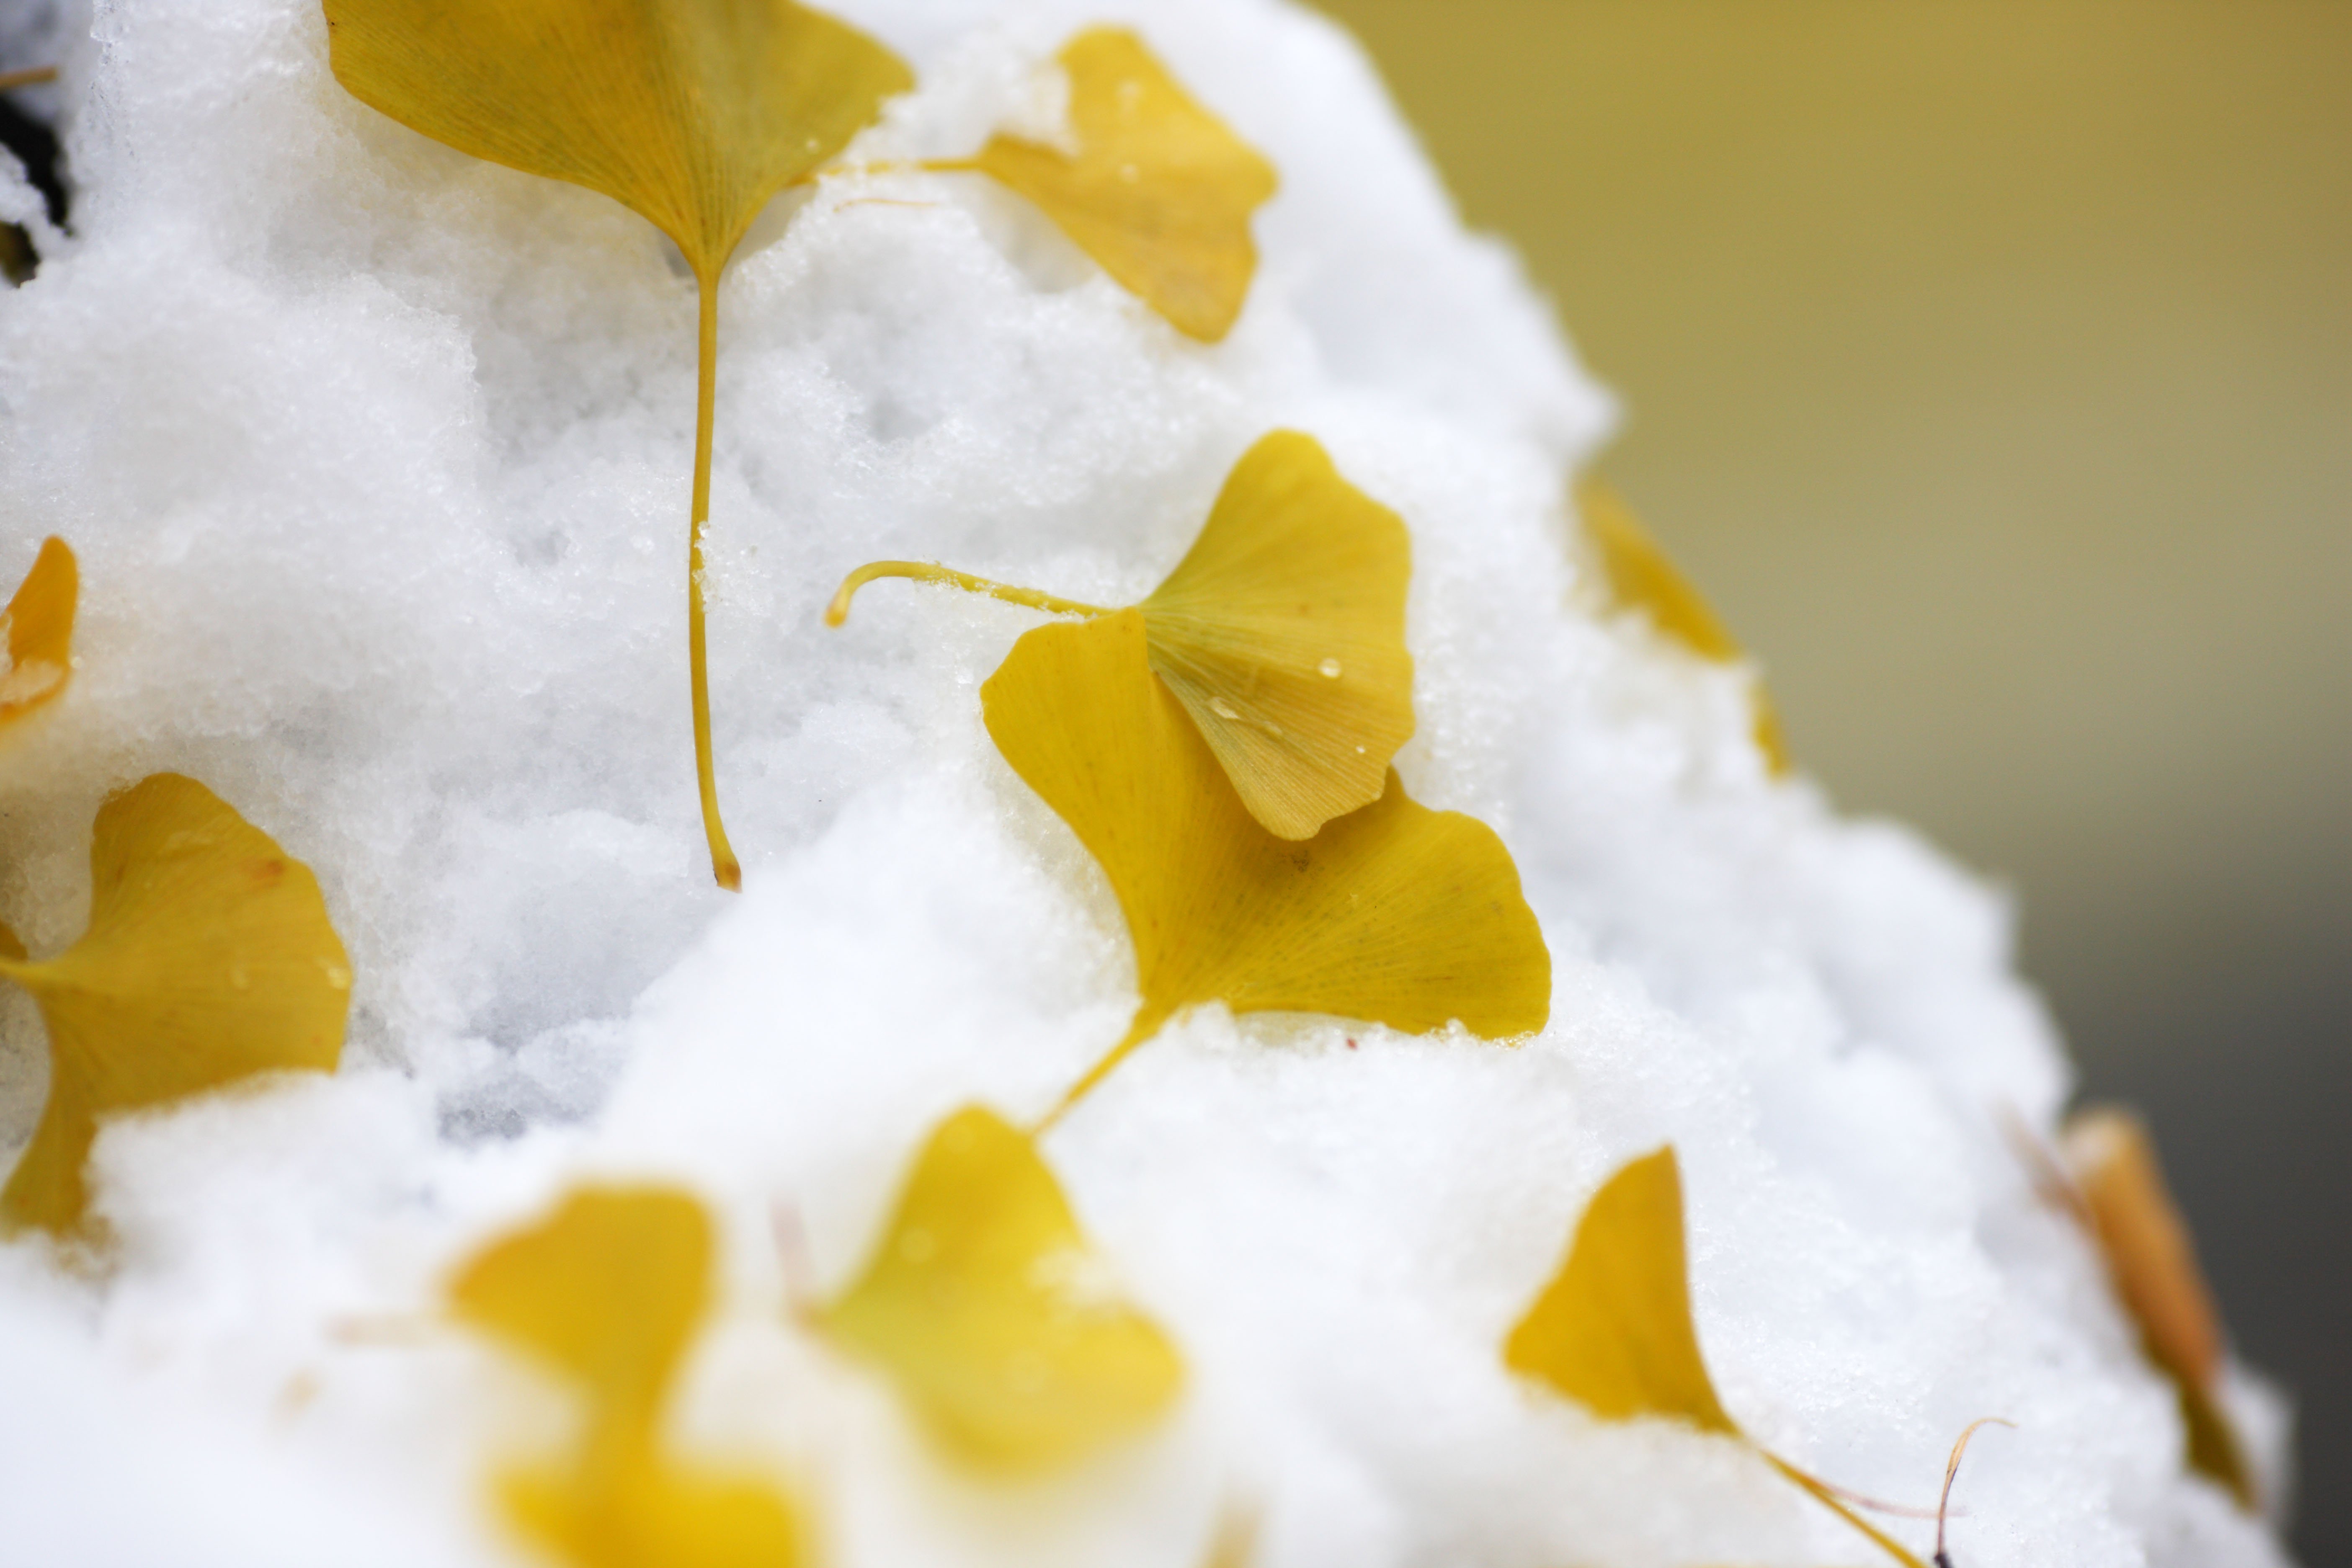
376,459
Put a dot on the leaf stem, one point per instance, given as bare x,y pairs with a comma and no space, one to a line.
1148,1018
925,572
723,864
11,80
1828,1498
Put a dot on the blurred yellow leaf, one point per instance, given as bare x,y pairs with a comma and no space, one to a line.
1234,1545
1281,631
1612,1330
1158,190
652,1517
1394,913
692,113
1640,577
2153,1262
39,625
998,1322
209,958
609,1290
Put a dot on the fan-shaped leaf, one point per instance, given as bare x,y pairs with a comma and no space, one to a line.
209,958
1642,578
1612,1331
1158,190
986,1305
1281,631
39,626
1394,913
2153,1263
609,1291
690,112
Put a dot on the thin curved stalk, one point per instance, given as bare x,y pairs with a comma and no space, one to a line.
1821,1494
1148,1022
927,571
723,864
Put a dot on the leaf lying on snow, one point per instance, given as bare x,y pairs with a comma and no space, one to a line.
39,626
1395,913
609,1290
2153,1263
692,113
1158,190
1281,631
987,1306
209,958
1612,1330
1640,578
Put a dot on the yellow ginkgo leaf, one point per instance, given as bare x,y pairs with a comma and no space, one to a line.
2153,1263
1281,631
652,1516
1640,577
1395,913
610,1290
998,1322
209,958
1158,190
1612,1330
692,113
39,626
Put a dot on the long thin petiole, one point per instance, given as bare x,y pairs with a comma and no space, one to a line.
1951,1472
1147,1020
723,864
1822,1494
924,572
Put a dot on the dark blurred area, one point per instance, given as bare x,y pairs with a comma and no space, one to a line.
35,148
1989,363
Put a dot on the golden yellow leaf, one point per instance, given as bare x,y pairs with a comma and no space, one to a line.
1395,913
652,1516
1612,1330
692,113
2153,1262
1158,191
1770,739
209,958
610,1290
39,624
1281,631
1642,578
987,1306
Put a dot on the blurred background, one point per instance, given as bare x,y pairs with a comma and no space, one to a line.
1990,364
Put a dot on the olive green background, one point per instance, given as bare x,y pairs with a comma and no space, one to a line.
1989,363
